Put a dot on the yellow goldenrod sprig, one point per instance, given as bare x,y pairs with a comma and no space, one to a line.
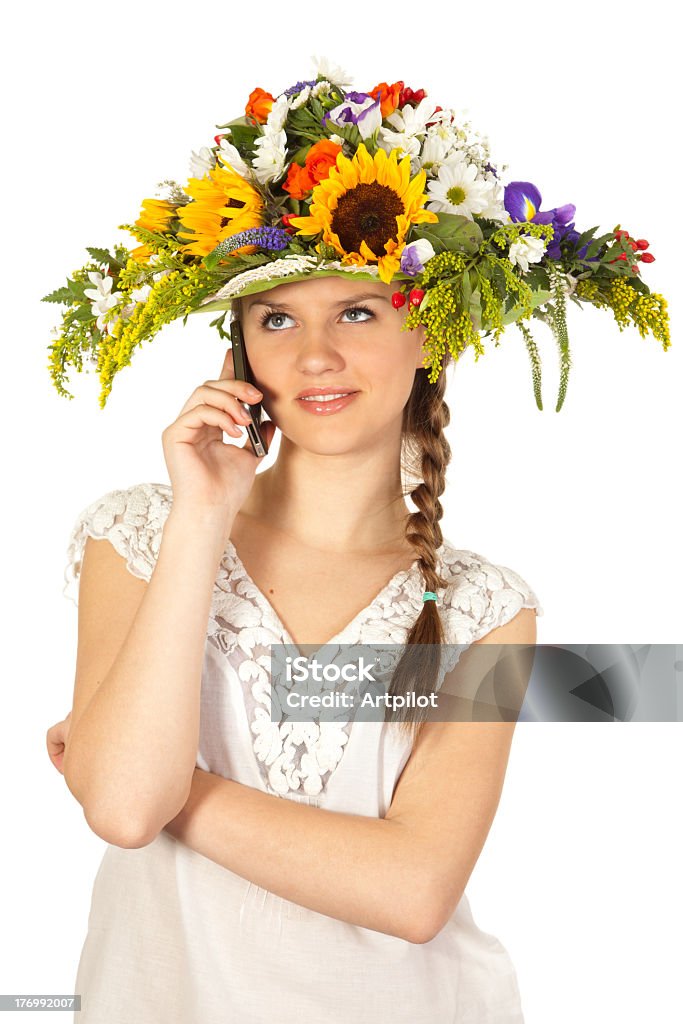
648,312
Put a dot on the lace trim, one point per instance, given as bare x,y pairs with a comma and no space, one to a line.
299,756
131,519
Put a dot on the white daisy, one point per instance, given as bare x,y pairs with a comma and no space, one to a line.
405,145
202,162
458,189
278,115
269,161
320,87
332,72
229,154
437,145
527,250
301,98
413,120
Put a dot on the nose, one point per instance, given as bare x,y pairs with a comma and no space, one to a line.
318,351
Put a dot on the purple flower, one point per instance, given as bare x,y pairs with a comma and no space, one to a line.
523,201
294,89
415,255
358,108
264,237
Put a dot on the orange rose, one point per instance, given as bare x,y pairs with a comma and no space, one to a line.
388,96
298,182
321,157
259,105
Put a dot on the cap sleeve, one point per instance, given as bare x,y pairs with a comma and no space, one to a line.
131,520
482,597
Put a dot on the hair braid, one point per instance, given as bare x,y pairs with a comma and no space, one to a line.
425,416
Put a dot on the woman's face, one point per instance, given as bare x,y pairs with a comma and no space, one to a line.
337,335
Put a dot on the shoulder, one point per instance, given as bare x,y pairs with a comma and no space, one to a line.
482,597
131,519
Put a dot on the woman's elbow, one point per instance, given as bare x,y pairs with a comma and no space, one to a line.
425,922
128,834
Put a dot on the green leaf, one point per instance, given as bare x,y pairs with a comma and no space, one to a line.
101,255
452,231
582,239
300,156
593,248
466,289
243,136
537,299
475,309
85,313
77,289
60,295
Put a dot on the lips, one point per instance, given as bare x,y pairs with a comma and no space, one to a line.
322,397
327,405
325,391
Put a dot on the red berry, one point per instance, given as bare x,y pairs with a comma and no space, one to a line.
632,242
647,257
398,299
623,256
643,243
217,139
416,296
620,234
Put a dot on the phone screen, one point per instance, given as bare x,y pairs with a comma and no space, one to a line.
243,372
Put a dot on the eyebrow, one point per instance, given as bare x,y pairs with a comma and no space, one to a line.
342,302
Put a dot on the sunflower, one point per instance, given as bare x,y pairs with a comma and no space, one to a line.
224,203
155,215
365,207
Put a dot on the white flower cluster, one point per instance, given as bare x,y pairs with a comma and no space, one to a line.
102,298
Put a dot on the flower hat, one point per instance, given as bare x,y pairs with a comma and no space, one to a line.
383,184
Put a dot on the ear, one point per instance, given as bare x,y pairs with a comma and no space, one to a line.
420,335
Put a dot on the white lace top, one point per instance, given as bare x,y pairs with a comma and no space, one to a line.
173,936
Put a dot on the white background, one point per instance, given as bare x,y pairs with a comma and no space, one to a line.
580,875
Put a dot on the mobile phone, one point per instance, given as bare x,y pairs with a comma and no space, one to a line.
243,372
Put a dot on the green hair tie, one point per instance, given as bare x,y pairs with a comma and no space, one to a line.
429,595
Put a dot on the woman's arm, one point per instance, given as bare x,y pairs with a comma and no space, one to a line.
403,874
342,865
135,724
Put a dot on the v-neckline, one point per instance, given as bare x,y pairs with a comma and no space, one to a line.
267,607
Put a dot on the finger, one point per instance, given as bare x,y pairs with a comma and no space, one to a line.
208,415
237,391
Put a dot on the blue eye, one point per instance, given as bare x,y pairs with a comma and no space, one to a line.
268,316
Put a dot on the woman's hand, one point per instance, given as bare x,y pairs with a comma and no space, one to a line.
205,472
56,738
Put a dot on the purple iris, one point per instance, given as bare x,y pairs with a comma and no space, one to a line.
345,114
523,201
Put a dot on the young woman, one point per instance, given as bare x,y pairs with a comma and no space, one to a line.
300,872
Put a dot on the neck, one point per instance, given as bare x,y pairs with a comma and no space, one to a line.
339,503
